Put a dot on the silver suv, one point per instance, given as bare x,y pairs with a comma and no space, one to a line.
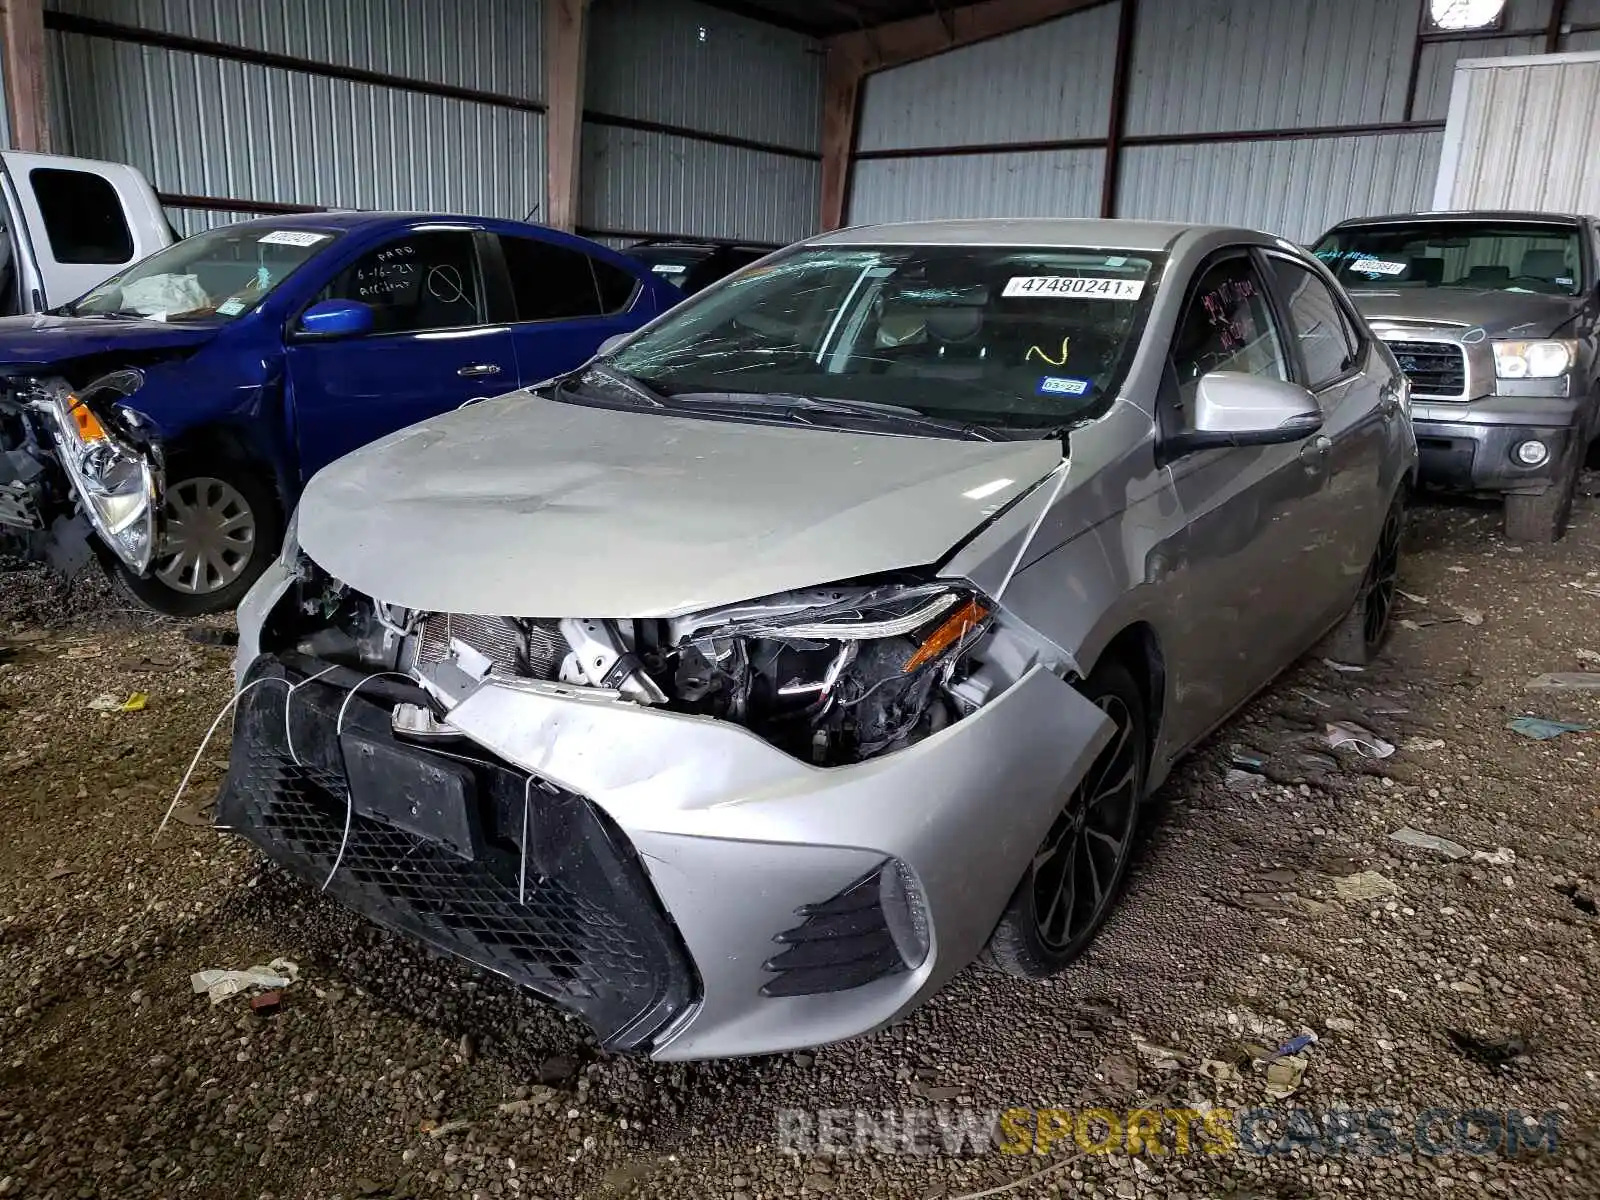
1493,317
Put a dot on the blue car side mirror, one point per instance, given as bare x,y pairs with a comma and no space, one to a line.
336,319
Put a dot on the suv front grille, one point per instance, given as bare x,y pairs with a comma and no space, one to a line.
580,924
1436,369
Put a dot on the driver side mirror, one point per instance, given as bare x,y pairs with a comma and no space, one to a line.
336,319
1234,409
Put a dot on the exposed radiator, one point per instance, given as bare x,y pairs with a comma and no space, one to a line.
531,649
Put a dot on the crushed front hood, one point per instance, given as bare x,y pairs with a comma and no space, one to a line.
42,340
523,506
1497,313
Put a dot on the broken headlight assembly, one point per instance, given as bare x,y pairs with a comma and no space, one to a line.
111,465
830,675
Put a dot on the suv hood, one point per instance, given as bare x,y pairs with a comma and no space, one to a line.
524,506
1498,314
42,339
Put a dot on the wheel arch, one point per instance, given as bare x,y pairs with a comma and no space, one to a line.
1137,646
232,444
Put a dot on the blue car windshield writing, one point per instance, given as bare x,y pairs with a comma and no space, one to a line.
220,274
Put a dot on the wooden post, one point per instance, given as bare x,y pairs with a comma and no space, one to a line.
27,85
851,57
565,42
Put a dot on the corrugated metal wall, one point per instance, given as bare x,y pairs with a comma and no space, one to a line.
1285,116
1490,163
697,70
210,127
1295,188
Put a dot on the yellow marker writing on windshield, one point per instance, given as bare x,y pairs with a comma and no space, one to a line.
1066,343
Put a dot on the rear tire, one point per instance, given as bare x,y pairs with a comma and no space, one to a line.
1544,518
1077,873
242,521
1359,637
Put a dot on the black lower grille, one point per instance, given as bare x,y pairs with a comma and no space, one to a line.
841,943
1434,368
435,851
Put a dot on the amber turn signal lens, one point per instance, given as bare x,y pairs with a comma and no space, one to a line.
89,428
954,627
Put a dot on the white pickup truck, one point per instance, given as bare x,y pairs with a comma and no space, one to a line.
67,224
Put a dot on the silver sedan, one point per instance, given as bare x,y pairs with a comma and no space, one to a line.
738,689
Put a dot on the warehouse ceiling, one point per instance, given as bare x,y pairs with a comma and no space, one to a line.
824,18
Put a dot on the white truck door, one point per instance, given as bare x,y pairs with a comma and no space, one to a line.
81,222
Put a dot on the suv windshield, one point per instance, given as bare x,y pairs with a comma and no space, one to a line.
222,273
1006,336
1495,256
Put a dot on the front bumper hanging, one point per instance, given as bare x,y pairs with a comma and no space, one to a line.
436,844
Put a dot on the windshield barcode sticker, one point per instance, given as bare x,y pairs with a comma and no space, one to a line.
291,237
1377,266
1077,287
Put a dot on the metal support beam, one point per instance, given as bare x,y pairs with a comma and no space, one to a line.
566,39
1118,120
26,75
1552,33
851,57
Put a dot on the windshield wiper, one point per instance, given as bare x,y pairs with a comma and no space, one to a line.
899,415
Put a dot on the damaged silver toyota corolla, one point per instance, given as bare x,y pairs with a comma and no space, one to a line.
739,689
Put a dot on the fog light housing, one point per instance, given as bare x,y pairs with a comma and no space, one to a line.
904,912
1531,453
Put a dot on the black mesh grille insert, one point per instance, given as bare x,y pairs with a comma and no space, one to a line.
534,649
1434,368
589,933
841,943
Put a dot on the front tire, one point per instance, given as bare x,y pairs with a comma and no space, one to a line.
222,527
1077,873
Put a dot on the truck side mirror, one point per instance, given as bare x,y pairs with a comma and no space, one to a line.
336,319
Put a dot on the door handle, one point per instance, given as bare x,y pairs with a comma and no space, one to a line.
1315,452
478,371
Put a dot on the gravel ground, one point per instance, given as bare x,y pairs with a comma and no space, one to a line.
1269,903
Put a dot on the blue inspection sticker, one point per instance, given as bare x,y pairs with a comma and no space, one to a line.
1062,385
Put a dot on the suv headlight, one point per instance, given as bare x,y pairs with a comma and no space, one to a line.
1534,360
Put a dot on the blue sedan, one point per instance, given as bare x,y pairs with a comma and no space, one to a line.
177,410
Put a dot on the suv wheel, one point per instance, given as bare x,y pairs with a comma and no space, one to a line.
1543,518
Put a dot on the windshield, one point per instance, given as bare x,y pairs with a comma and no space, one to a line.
220,274
1005,336
1505,257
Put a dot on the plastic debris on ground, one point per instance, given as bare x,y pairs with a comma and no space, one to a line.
1284,1076
1542,730
266,1003
219,984
1349,668
1501,856
1366,743
1365,885
1242,781
109,703
1418,840
1422,745
1565,681
1592,657
1470,615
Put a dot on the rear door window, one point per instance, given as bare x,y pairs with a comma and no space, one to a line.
550,282
83,217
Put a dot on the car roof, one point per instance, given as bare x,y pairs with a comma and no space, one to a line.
1010,231
1465,214
365,219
